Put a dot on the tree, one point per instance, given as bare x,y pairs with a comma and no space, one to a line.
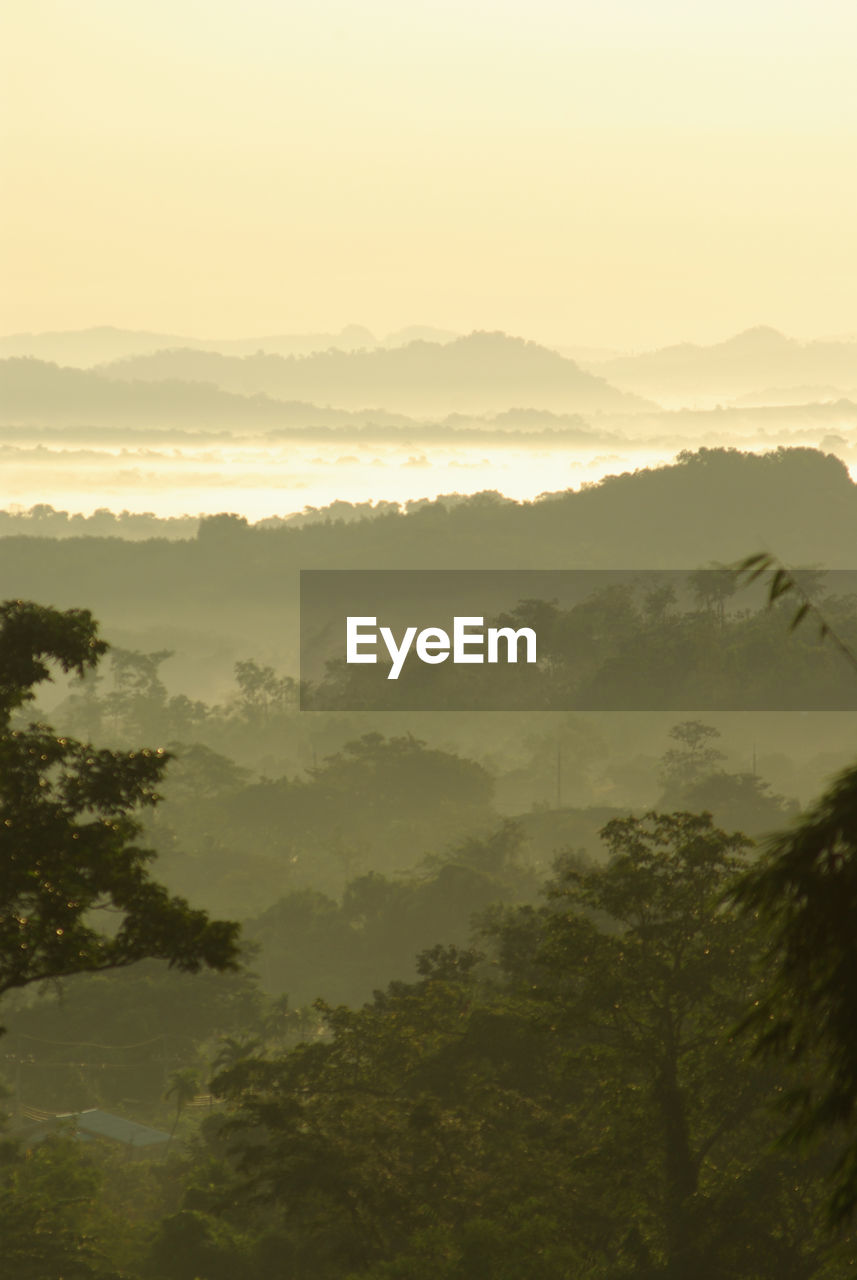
713,587
640,958
581,1108
694,758
262,691
183,1088
740,800
642,974
139,696
804,891
402,1139
48,1213
68,857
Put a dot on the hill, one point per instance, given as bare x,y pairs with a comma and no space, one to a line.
37,394
83,348
232,590
750,361
481,373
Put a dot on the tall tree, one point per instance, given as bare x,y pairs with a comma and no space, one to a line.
804,891
581,1108
76,893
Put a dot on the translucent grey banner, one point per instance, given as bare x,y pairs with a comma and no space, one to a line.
578,639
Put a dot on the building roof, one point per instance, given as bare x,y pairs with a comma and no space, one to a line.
101,1124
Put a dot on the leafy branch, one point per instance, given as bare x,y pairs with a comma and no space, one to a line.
784,581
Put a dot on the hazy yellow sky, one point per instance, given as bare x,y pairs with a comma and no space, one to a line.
619,172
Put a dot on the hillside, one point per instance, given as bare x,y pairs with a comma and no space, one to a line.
35,393
83,348
232,590
751,361
481,373
86,347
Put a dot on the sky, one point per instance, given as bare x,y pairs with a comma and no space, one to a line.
615,174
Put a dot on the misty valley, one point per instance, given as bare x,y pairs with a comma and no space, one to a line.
281,433
391,991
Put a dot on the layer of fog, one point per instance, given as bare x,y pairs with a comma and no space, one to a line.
281,474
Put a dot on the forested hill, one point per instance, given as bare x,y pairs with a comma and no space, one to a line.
747,362
237,584
36,394
482,372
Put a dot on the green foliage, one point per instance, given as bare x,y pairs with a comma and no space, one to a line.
312,945
740,799
615,651
806,585
194,1246
646,973
378,804
694,757
30,634
572,1102
262,693
804,893
695,782
580,1107
47,1214
183,1086
110,1039
67,831
402,1131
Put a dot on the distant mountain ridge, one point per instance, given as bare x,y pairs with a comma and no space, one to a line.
232,581
482,373
40,399
759,366
35,393
758,358
37,396
84,348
